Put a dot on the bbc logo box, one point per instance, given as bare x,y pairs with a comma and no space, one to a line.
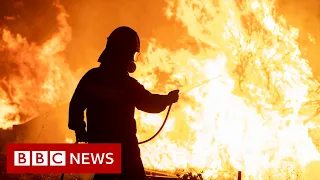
67,158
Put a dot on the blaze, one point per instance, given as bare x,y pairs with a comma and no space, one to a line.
69,140
251,115
247,94
34,77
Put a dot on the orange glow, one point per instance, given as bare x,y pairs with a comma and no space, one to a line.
69,140
39,79
250,117
254,114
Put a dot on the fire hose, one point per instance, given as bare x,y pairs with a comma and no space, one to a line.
147,140
165,119
169,109
160,129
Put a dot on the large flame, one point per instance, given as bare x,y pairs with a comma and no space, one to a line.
250,116
33,77
246,91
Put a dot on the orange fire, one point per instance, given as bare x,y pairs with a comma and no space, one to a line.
37,77
254,115
69,140
251,116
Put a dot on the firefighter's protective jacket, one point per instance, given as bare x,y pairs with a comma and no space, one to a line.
110,99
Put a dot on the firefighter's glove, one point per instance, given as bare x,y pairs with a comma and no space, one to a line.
81,136
173,96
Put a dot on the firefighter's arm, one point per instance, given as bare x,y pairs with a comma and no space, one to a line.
152,103
77,107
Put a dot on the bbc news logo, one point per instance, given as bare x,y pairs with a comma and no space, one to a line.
67,158
39,158
58,158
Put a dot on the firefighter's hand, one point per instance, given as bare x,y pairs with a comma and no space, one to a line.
173,96
81,136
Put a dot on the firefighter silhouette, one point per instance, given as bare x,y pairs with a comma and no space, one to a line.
110,95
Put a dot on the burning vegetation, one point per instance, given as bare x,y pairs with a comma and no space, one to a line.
255,113
33,78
